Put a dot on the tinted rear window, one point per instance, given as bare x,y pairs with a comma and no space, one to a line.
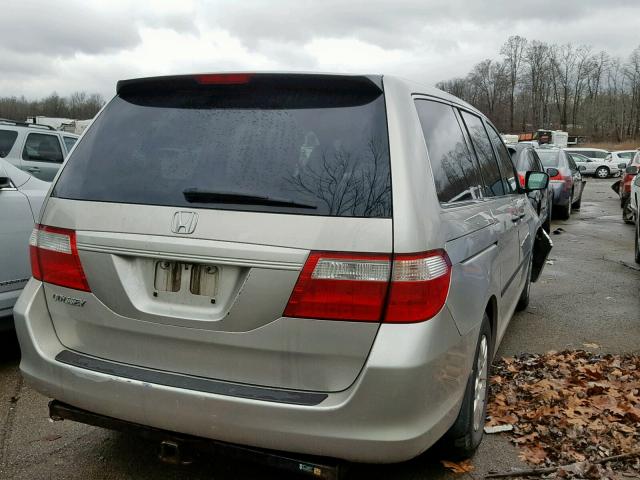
7,139
325,149
549,158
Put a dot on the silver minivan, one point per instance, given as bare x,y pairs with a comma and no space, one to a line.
321,264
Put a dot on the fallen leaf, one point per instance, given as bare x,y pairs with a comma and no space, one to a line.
458,467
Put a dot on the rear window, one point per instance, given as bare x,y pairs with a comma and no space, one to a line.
69,142
525,162
7,139
549,158
313,150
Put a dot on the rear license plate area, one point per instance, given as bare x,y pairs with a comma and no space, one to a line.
186,279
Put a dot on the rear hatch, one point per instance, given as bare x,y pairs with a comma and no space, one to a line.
196,201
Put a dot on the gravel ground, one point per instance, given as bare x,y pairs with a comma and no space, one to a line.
589,294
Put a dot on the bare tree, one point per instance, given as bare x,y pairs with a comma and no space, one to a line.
513,51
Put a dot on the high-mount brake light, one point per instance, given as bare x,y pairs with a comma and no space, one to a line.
223,78
55,259
371,287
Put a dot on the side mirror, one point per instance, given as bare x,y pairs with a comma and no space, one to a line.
536,181
553,172
582,168
631,170
5,182
622,166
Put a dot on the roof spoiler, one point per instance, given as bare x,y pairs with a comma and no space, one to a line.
306,81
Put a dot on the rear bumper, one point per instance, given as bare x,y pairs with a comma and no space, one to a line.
405,399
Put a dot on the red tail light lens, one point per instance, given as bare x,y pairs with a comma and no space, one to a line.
223,78
521,179
419,286
54,257
355,287
341,286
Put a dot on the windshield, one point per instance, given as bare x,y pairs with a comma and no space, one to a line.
549,158
314,152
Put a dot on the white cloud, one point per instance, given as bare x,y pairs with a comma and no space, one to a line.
89,45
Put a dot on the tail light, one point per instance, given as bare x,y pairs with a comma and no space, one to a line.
521,179
558,177
54,257
371,288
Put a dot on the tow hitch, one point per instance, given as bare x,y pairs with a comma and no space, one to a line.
176,448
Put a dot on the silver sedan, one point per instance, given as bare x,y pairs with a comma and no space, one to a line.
598,167
21,197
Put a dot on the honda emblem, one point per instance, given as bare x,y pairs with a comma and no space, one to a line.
184,222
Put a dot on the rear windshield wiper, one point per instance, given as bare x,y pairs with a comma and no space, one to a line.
198,195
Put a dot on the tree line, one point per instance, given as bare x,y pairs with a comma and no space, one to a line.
568,87
79,106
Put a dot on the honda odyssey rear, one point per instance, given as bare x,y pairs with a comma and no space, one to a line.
227,256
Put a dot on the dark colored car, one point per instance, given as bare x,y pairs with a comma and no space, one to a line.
525,160
567,183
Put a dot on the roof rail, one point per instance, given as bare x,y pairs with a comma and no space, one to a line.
6,121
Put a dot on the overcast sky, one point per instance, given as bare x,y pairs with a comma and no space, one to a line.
88,45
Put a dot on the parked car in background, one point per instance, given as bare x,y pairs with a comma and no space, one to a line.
37,149
256,267
526,159
21,197
621,156
634,202
567,185
592,153
624,189
598,167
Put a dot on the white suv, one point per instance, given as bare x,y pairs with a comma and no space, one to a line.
37,149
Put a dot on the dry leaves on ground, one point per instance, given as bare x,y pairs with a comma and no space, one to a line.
458,467
569,407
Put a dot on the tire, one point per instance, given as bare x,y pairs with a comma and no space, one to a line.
465,435
577,204
637,242
627,213
523,301
546,226
602,172
565,212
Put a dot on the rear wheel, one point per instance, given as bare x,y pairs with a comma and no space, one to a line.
565,211
466,433
627,213
523,301
602,172
578,203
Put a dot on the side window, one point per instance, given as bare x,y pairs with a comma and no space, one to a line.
69,142
597,154
484,151
455,171
504,159
41,147
7,139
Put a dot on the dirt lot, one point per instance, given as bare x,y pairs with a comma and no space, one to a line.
587,294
